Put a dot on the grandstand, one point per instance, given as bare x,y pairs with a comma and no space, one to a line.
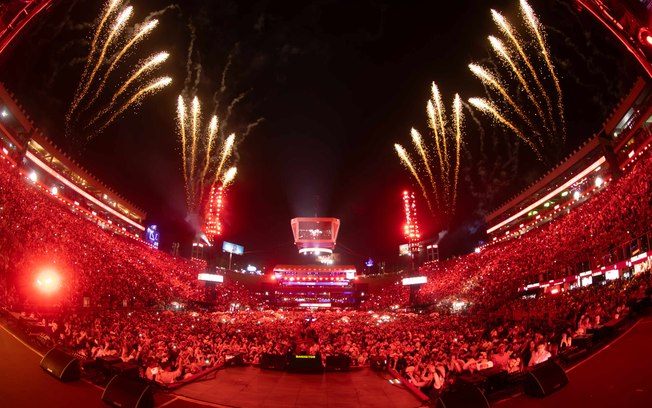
56,172
623,136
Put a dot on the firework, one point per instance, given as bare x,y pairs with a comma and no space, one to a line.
536,112
203,157
402,154
149,65
533,24
487,78
156,85
417,141
507,29
504,54
136,38
443,181
109,9
229,176
485,106
457,115
115,30
99,71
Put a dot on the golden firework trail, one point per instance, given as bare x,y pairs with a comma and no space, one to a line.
487,107
457,114
227,149
533,24
199,147
402,154
115,30
506,28
212,132
432,124
150,64
153,86
108,11
417,141
181,118
502,51
229,176
196,112
439,109
137,37
487,78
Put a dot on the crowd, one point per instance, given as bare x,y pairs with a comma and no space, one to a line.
98,266
589,232
129,286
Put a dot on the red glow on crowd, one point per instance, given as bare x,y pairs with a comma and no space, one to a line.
48,281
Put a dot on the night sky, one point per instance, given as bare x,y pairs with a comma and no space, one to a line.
333,84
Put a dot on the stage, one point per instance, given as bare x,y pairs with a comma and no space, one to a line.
618,375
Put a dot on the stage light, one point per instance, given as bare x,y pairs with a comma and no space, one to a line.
598,181
576,195
4,113
33,176
48,281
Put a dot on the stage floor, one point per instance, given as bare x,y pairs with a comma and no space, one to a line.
253,387
618,375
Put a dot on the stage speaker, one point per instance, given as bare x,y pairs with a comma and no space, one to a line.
61,365
378,363
465,396
127,392
273,361
339,362
545,379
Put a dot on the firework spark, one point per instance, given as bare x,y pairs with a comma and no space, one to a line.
533,24
229,176
86,115
485,106
146,67
457,114
507,29
442,172
417,141
135,39
203,157
402,154
504,54
156,85
536,113
487,78
115,30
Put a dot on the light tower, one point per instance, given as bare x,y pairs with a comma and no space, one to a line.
411,227
213,223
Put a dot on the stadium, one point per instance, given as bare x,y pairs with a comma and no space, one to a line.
99,306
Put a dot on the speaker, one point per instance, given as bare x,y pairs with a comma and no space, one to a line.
61,365
464,396
127,392
338,362
126,369
377,363
545,379
273,361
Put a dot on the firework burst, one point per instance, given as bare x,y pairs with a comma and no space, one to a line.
203,157
442,171
102,95
536,120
